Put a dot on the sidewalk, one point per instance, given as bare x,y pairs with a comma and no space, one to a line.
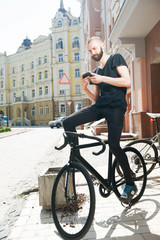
111,222
14,131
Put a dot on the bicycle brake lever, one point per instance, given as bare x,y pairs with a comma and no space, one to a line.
64,144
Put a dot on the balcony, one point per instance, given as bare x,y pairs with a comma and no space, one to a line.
20,99
135,19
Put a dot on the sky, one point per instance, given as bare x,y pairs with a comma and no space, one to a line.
31,18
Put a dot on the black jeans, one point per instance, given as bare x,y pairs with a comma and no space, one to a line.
114,118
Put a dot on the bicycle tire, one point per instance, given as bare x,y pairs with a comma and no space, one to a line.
149,152
138,168
73,217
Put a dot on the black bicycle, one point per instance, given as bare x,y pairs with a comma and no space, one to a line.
73,194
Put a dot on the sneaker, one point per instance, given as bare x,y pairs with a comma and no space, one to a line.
128,193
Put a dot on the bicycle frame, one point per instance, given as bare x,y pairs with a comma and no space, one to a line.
105,182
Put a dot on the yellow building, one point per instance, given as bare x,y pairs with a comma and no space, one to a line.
68,45
41,81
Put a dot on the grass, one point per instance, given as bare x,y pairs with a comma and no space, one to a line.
5,129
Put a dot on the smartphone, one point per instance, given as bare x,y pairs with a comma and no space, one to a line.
87,74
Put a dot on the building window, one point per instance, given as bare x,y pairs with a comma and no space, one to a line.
2,97
22,67
76,56
75,43
62,108
13,70
40,75
78,106
32,65
77,72
46,90
59,44
61,92
46,74
77,89
23,95
22,80
60,73
2,84
32,78
60,57
41,110
45,59
75,22
33,93
1,71
39,61
47,109
33,111
14,83
40,91
14,96
59,24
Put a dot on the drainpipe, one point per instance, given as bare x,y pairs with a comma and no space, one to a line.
132,92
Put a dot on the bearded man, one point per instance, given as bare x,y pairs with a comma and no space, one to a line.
110,81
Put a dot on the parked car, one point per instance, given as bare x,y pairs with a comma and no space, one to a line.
57,123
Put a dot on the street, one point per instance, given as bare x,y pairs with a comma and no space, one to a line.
23,157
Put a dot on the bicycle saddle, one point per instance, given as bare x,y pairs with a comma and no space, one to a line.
153,115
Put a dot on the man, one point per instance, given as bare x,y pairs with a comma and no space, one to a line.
110,81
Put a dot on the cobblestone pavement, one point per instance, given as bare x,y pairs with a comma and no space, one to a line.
111,222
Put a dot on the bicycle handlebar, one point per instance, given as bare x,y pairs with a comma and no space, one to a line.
64,144
81,135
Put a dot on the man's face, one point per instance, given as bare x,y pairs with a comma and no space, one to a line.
95,50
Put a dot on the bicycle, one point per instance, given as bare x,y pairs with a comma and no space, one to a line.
148,148
73,194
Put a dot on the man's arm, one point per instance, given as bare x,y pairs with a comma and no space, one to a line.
93,96
122,81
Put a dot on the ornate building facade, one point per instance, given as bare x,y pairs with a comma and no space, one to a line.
41,81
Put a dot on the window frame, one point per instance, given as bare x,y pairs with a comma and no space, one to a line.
46,90
77,73
40,91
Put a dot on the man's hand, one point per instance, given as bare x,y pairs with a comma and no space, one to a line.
96,78
84,81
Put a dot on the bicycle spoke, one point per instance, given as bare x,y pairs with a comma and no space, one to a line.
138,172
73,210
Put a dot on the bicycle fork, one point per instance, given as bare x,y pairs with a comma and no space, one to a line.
70,189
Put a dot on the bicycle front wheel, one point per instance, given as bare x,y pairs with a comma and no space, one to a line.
73,201
148,151
138,171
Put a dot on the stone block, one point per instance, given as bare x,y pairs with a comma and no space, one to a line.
45,183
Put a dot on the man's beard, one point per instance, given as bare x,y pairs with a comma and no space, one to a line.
97,57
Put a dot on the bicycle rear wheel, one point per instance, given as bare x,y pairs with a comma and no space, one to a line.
73,201
148,151
138,171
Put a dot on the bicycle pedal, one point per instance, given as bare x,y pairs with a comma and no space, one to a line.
127,206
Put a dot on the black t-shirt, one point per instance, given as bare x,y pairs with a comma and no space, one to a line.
111,96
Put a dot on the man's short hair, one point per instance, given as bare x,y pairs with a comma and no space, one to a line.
96,38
